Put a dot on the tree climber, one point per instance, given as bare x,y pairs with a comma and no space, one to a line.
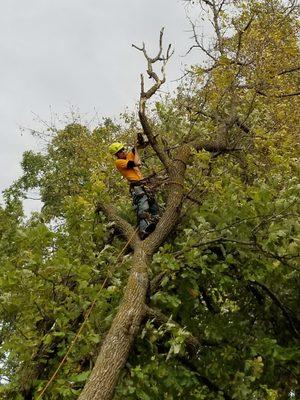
143,198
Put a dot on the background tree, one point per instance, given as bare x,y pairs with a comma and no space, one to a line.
206,306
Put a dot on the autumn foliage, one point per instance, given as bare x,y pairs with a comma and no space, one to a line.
221,314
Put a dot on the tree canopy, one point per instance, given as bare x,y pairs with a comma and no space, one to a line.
207,307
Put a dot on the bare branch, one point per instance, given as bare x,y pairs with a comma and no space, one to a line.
198,44
235,120
146,95
216,12
214,147
207,2
279,304
287,71
278,96
265,94
240,36
138,48
221,5
288,94
142,84
293,5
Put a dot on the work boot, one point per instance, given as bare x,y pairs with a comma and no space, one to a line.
149,229
143,235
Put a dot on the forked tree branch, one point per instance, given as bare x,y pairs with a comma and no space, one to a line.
145,95
200,45
216,8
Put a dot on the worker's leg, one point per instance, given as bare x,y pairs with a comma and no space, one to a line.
153,206
141,205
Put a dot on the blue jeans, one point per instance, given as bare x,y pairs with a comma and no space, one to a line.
145,206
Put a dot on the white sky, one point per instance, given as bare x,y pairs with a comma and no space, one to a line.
62,53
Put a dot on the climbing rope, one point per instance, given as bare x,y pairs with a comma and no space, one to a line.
86,316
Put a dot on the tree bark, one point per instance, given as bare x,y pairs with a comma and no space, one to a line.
118,341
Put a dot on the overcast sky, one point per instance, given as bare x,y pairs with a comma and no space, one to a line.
58,54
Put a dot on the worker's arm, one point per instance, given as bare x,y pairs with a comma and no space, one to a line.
137,160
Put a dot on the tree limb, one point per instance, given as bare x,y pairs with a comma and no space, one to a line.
191,365
279,304
123,225
287,71
146,95
200,45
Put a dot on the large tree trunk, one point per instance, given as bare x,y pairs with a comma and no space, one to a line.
116,346
119,339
